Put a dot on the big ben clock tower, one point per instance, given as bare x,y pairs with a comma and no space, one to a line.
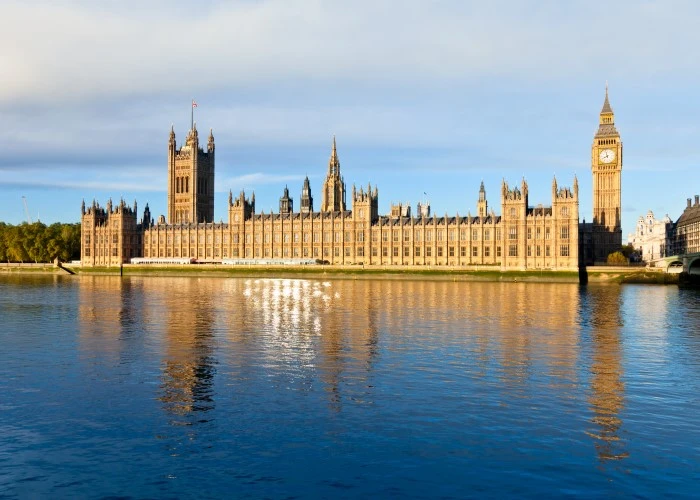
606,166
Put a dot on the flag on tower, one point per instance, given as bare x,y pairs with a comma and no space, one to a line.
194,105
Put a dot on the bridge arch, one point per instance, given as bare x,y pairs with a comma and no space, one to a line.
694,266
675,266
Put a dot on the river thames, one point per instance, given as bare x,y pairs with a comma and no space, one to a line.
235,387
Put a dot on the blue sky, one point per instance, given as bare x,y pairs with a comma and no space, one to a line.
423,96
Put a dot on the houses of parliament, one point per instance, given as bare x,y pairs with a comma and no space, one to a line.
521,237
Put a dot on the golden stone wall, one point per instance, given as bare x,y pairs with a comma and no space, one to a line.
522,237
529,238
110,235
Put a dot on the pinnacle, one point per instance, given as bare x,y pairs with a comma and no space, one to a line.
606,105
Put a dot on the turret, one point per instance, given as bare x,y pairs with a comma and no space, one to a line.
423,209
286,203
307,201
147,220
365,205
241,208
210,142
482,205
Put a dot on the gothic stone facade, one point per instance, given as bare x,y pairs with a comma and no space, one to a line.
522,237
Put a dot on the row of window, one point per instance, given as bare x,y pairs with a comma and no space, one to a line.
315,252
329,237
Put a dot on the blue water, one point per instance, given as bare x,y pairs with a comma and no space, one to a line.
214,387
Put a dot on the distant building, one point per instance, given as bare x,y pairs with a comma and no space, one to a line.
687,230
653,238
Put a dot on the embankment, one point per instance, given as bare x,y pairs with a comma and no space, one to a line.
595,274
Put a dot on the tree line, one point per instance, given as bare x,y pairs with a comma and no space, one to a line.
38,242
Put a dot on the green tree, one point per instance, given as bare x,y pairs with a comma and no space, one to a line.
15,246
617,259
628,250
38,242
3,241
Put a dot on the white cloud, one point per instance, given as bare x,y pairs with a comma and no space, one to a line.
79,50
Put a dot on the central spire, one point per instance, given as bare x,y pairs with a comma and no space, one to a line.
334,185
333,163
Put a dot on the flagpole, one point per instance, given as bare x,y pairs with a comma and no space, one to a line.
192,115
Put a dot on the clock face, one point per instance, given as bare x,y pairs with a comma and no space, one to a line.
607,155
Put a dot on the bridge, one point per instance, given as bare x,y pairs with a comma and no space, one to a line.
686,263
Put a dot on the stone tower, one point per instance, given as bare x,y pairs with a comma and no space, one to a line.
333,186
286,203
514,205
606,166
365,204
482,206
109,235
307,201
190,180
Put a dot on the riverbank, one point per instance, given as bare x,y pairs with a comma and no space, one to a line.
595,274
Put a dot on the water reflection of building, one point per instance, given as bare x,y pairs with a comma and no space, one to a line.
188,365
108,314
607,397
513,332
349,346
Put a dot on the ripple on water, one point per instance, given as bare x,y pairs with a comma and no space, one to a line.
151,387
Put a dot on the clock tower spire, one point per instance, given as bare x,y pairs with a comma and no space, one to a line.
606,166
